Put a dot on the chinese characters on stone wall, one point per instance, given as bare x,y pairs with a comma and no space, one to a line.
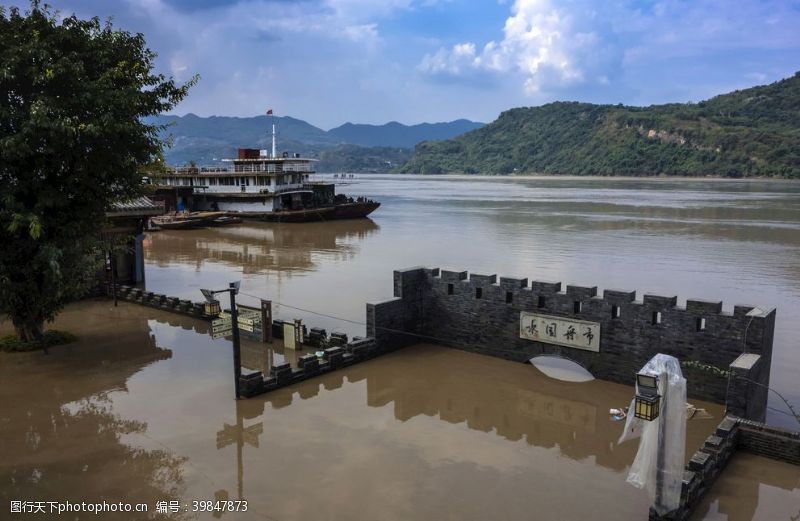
560,331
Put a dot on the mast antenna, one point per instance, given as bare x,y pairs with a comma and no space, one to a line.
274,148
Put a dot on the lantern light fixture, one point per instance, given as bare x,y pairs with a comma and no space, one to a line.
647,398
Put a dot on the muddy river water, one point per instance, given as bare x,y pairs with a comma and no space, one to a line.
140,409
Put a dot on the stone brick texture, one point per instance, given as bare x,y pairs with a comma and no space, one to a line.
481,313
710,460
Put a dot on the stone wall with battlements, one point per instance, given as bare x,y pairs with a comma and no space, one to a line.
481,313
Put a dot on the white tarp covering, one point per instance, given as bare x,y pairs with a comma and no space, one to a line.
672,423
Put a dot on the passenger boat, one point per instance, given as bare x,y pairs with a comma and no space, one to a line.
259,185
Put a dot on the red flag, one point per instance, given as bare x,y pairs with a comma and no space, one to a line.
269,112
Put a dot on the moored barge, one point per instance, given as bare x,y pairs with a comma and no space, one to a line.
259,185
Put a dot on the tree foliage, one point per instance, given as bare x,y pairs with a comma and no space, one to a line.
355,159
751,132
73,95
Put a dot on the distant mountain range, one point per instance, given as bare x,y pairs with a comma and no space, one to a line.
397,135
750,132
351,147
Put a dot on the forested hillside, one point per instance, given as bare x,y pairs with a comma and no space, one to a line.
751,132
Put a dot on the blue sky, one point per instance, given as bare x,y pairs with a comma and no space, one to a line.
373,61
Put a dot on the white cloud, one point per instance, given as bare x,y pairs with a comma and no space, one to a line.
541,41
460,59
364,33
554,46
333,60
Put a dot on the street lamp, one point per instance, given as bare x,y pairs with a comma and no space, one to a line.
213,303
648,400
659,417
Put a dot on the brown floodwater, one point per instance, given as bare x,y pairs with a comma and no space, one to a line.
136,409
776,485
141,409
735,241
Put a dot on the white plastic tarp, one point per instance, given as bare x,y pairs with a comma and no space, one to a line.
672,422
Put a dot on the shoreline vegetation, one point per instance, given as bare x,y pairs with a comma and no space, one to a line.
746,133
611,177
52,337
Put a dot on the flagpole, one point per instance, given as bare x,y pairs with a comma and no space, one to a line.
274,148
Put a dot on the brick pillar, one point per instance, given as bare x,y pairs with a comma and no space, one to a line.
747,388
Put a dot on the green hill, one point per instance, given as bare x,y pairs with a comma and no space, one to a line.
357,159
751,132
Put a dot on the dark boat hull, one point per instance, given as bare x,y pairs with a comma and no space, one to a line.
356,210
293,216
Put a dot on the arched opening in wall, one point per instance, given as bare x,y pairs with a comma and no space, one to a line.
561,368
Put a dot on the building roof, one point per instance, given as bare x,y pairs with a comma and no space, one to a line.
138,207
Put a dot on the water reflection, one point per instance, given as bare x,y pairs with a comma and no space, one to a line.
513,401
753,488
239,435
62,439
724,240
424,433
257,247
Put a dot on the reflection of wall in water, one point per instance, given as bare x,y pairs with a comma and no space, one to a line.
257,356
542,416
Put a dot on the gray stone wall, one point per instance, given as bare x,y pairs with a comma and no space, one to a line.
481,313
388,321
771,442
159,301
710,460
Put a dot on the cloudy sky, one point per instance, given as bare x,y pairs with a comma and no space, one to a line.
373,61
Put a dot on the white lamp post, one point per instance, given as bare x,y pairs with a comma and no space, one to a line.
659,417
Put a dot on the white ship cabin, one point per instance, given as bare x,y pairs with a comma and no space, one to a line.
255,175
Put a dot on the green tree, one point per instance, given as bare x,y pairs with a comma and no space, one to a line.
73,95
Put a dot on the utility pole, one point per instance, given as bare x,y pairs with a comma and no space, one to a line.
237,350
